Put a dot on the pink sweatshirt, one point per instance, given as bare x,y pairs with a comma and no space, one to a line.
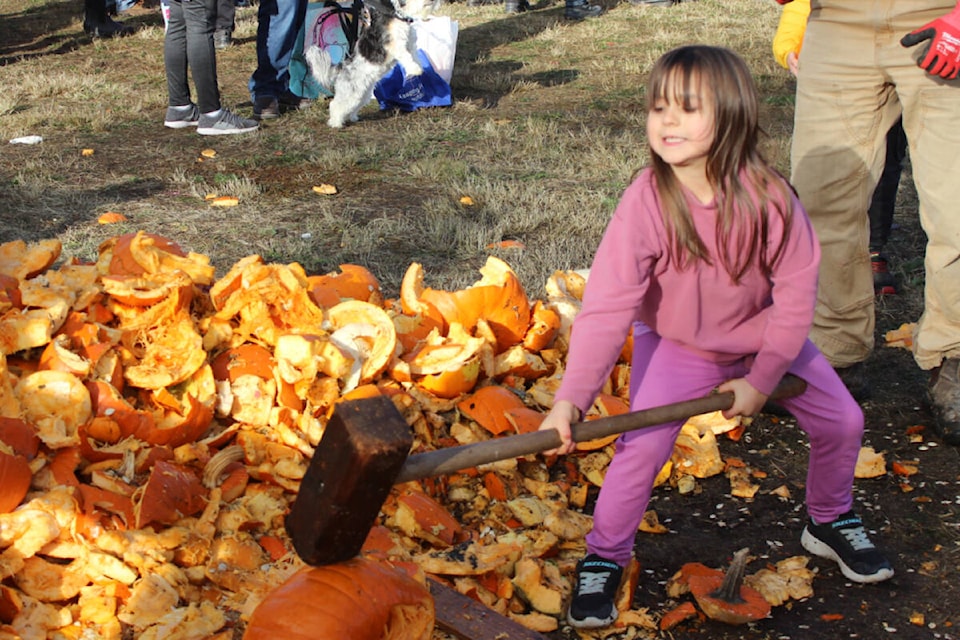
632,278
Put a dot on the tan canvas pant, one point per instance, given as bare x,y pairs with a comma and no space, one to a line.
855,78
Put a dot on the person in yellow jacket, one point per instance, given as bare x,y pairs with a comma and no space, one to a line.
860,75
787,42
789,36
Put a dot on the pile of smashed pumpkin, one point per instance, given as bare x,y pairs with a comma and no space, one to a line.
155,422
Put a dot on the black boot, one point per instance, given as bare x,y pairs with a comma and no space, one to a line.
943,394
98,24
516,6
580,9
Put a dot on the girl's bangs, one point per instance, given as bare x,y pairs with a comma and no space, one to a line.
678,84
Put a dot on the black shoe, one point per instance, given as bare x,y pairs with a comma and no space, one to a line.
516,6
290,101
580,9
266,108
943,394
593,603
846,542
107,29
854,378
884,284
222,39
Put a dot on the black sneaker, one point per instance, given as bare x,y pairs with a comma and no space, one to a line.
266,108
884,284
289,101
593,604
846,542
109,28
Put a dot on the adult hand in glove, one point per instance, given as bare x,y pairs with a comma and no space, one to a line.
941,55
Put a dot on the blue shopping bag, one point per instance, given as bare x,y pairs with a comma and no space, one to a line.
397,91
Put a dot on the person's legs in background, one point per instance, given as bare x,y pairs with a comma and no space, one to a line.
223,29
98,24
882,207
279,23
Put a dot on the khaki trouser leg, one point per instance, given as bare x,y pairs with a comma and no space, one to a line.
854,78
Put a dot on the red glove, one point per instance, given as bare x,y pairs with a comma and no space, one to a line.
941,56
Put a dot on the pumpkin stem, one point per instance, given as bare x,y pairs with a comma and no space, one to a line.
729,590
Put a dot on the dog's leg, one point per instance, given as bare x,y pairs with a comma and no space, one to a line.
403,47
353,90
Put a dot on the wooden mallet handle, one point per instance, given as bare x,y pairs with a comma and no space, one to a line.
443,461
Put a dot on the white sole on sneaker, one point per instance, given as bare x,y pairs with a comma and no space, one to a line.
591,622
224,132
819,548
179,124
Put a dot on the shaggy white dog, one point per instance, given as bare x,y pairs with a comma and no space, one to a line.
385,37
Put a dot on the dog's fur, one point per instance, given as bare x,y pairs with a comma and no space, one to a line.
383,41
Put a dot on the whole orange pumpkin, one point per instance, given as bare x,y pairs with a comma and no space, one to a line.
360,599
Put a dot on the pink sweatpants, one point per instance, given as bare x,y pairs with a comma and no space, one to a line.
663,373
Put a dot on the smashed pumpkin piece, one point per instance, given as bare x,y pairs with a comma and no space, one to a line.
420,516
366,332
57,403
352,282
790,579
15,475
497,298
172,492
360,598
529,583
24,261
141,253
870,464
489,406
725,598
695,454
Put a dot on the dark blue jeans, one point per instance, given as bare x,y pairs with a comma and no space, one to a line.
279,23
189,42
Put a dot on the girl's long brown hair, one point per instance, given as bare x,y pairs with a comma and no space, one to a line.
735,167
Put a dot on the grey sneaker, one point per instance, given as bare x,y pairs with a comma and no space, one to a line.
178,118
225,123
222,39
266,108
580,9
846,542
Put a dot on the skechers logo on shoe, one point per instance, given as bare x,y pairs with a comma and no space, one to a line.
601,564
849,522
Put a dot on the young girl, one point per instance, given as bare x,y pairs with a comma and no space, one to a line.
712,261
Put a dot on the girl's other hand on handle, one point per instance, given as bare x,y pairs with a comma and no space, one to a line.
747,401
562,415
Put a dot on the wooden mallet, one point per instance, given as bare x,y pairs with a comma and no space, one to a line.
365,451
